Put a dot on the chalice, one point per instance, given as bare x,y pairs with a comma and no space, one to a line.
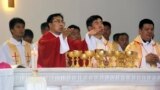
100,56
112,58
89,54
77,54
120,58
131,58
71,55
84,57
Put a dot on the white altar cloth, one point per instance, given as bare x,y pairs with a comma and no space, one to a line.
6,79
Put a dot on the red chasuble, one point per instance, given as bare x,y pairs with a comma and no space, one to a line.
49,51
76,45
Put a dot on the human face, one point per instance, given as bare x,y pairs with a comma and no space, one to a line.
147,32
123,41
98,26
75,34
57,25
28,39
106,32
46,29
18,31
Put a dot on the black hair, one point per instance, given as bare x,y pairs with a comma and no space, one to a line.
91,19
116,36
52,16
29,33
145,21
106,23
14,21
124,34
44,25
74,26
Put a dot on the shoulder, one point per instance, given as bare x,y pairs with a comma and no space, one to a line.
47,35
4,45
157,44
132,46
47,38
27,44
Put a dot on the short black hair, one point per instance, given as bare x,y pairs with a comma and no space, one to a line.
44,25
74,26
29,33
52,16
116,36
14,21
124,34
106,23
145,21
91,19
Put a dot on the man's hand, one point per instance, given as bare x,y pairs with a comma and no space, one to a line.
152,58
96,32
67,32
93,32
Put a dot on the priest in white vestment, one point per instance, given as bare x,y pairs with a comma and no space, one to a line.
15,51
94,38
148,50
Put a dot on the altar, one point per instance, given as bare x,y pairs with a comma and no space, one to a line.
84,78
93,78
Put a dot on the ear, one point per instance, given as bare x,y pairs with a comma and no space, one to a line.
49,25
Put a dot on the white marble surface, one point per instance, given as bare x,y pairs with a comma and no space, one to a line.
93,78
84,78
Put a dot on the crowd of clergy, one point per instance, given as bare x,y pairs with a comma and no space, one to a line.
56,41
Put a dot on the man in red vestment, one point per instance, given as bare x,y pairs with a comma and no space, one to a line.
74,39
75,42
53,45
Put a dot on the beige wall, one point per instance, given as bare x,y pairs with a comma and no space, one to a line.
123,14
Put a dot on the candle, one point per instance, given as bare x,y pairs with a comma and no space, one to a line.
34,57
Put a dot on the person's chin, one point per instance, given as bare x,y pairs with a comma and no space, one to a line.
21,36
148,39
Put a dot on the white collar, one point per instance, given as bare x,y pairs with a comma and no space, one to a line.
54,34
14,41
147,43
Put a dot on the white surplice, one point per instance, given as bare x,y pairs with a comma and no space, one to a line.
5,55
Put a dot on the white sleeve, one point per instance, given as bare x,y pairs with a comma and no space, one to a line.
90,42
64,47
